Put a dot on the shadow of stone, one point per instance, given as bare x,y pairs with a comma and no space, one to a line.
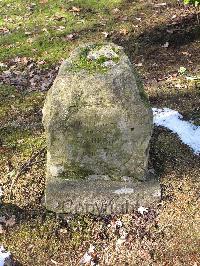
187,103
149,46
178,33
169,155
22,214
29,216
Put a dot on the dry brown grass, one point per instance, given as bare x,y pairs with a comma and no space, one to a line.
170,233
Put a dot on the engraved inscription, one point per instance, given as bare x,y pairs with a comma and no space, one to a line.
99,207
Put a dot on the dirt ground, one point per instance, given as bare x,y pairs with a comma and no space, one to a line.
159,38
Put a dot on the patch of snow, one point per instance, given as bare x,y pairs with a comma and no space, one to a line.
91,249
118,223
142,210
120,241
3,255
166,45
87,258
187,132
124,191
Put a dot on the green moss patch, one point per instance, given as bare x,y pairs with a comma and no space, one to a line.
83,62
74,171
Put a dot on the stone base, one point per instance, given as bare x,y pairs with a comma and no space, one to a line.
99,197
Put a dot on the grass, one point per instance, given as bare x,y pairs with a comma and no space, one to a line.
169,233
40,29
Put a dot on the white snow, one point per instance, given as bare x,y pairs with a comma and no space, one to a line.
187,132
3,255
87,258
118,223
142,210
120,241
91,249
124,191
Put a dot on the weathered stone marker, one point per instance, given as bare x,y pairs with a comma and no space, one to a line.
98,126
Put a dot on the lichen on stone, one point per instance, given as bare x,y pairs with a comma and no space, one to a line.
75,171
97,124
96,57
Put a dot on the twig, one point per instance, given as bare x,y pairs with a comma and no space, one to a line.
25,166
198,18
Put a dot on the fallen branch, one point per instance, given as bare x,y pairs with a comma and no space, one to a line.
25,166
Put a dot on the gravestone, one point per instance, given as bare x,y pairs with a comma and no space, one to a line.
98,125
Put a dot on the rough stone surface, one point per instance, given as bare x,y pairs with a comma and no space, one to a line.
97,120
97,123
104,51
99,197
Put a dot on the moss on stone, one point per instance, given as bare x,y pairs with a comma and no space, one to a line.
75,171
82,62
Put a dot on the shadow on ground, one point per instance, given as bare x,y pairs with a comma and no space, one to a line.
165,47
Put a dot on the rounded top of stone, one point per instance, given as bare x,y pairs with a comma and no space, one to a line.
93,57
107,52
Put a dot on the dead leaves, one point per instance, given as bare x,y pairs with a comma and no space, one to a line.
124,31
31,78
4,30
5,223
186,53
161,5
60,28
115,11
1,229
106,34
11,221
71,37
75,9
90,257
58,17
43,1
